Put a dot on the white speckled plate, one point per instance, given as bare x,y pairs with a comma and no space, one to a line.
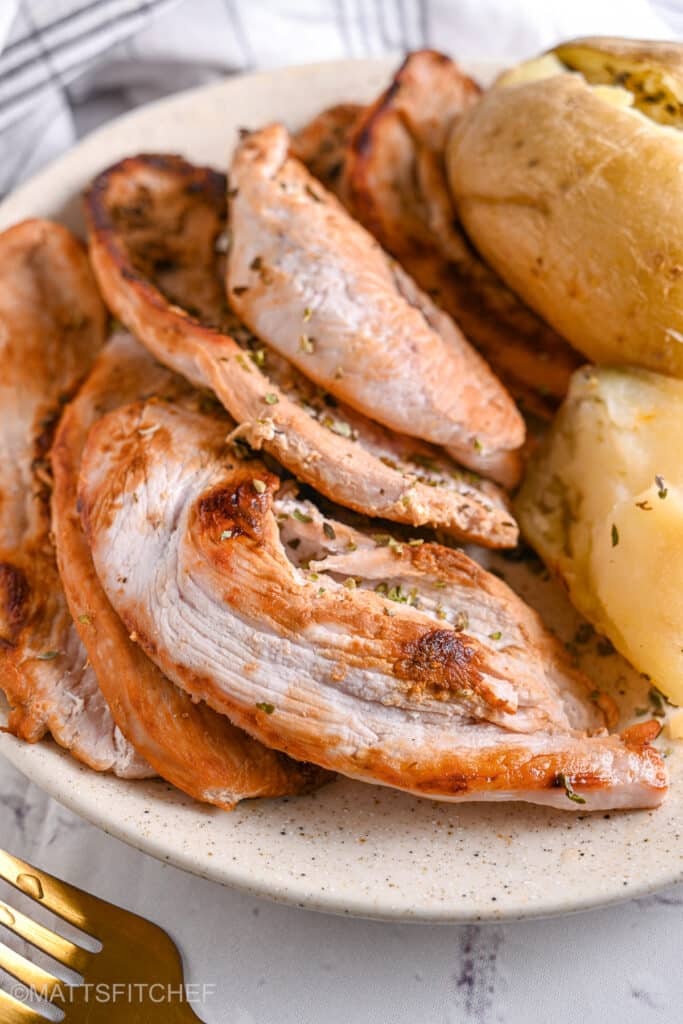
352,848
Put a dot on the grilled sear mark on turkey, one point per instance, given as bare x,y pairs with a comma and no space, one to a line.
316,286
405,665
157,225
189,745
322,143
394,182
51,327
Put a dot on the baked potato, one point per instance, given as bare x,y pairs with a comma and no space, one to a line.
602,503
568,177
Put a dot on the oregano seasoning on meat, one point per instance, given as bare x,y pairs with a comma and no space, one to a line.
265,707
301,516
615,535
562,780
328,530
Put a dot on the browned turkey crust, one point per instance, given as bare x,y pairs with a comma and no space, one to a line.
322,143
403,665
51,327
187,743
154,225
394,182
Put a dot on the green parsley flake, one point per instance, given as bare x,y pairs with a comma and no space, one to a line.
615,535
308,313
462,621
259,486
562,780
258,356
226,535
266,708
415,542
350,583
495,636
270,398
662,490
477,445
423,460
85,619
338,427
307,344
328,530
301,516
47,655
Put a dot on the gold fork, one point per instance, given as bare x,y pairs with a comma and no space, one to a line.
137,977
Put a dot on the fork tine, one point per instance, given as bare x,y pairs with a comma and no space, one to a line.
44,938
14,1012
68,902
27,973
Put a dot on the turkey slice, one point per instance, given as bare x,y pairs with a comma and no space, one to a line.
394,182
405,665
188,744
155,224
317,287
52,325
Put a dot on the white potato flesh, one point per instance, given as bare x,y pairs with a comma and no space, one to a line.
602,503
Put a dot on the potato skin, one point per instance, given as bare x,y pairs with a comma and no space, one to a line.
578,205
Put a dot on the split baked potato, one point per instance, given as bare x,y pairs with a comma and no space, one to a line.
602,503
568,177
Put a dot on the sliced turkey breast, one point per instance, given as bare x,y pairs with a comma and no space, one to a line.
315,285
405,665
394,182
188,744
52,325
155,226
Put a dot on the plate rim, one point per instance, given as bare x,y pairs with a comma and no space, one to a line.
41,769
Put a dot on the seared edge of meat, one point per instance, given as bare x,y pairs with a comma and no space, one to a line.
323,142
248,598
188,744
52,324
345,456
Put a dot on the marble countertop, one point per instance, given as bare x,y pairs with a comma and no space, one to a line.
261,963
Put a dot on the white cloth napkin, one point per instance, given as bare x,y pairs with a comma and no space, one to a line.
68,65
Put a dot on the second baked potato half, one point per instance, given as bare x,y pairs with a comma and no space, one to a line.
568,176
